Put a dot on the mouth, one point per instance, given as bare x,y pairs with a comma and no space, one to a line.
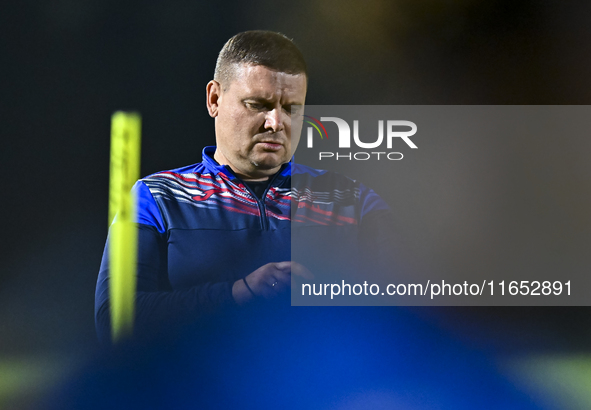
270,145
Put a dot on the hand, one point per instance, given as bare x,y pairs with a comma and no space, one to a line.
268,281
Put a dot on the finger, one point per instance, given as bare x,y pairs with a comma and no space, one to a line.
282,281
283,266
268,291
300,270
277,286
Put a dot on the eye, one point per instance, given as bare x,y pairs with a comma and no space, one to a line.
254,106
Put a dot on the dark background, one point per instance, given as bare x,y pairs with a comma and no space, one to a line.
67,65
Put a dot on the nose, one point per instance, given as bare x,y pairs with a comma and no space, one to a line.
274,120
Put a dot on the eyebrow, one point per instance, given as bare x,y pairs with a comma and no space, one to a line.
267,101
261,99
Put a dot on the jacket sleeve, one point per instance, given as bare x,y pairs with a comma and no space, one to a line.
157,303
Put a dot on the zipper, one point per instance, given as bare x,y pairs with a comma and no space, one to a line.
261,202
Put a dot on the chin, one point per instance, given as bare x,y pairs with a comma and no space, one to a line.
264,162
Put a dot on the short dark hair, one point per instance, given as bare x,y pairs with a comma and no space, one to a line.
259,47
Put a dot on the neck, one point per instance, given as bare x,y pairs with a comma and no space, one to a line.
250,179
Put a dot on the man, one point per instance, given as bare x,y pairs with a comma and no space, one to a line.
218,233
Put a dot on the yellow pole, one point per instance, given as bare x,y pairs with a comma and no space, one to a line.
125,168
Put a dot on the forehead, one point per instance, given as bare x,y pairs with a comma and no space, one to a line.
262,82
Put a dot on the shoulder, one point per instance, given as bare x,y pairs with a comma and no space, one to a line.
155,190
177,174
333,187
180,182
307,177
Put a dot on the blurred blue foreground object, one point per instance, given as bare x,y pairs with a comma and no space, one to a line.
295,358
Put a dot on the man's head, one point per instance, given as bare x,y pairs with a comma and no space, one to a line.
259,75
267,48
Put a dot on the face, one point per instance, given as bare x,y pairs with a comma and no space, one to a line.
253,119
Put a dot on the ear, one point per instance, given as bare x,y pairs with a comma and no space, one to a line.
213,92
